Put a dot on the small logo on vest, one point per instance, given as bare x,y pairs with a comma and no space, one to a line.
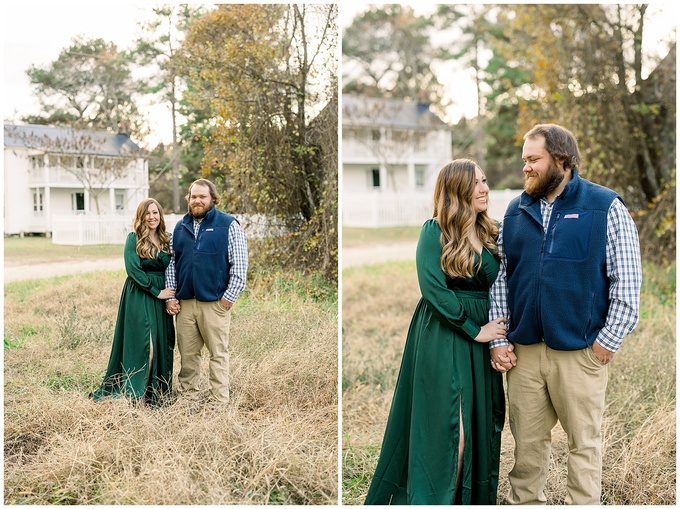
213,229
571,216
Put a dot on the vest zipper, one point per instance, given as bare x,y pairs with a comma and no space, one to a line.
198,238
540,272
552,234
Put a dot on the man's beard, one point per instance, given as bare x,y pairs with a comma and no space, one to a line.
201,214
543,185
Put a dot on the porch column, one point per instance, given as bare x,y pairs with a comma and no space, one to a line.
86,199
411,172
384,183
47,208
112,200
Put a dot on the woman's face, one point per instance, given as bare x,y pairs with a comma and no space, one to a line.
153,217
480,196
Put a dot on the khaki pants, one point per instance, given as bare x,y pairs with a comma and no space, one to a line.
547,385
203,323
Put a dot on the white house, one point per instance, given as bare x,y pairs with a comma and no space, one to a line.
392,151
59,172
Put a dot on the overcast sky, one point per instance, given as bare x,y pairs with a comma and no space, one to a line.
35,32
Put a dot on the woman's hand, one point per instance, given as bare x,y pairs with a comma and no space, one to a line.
493,330
167,293
503,358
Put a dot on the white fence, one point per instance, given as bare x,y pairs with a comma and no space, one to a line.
84,229
379,210
81,230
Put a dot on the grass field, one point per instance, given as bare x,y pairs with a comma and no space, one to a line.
352,237
20,251
275,444
640,417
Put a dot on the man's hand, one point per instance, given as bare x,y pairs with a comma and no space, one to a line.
172,307
226,304
503,358
603,355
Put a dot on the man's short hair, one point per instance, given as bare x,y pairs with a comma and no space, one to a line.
559,142
210,186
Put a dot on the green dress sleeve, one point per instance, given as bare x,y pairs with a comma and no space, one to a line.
441,300
133,266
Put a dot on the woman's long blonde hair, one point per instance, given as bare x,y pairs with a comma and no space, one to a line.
145,247
456,216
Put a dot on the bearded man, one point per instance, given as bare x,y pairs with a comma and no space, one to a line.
569,284
208,271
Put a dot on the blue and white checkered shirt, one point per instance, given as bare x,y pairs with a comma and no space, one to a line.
623,270
238,262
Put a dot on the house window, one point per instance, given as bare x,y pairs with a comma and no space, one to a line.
403,138
54,161
375,178
37,201
37,162
375,134
420,177
120,200
78,202
80,162
420,141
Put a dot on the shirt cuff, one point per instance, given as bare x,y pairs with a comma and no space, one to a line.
608,340
498,342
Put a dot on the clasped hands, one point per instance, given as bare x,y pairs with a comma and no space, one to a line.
172,306
502,357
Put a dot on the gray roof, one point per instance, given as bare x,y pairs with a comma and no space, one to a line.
68,140
376,112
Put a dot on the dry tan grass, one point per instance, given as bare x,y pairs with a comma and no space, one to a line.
275,444
639,425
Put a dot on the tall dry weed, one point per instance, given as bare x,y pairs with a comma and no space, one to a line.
639,465
276,443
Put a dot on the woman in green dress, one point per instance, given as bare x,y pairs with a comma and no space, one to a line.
140,365
442,439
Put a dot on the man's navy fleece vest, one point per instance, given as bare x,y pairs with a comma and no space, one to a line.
558,288
202,264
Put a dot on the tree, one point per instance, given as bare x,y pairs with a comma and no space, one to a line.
387,53
89,86
586,72
157,49
473,24
263,71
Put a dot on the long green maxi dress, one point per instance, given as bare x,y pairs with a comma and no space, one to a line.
142,321
444,373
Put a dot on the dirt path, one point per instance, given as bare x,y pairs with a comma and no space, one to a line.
43,270
351,257
356,256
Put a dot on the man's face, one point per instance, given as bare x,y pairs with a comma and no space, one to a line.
200,201
541,174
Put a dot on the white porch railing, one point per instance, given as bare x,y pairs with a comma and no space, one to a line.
62,177
379,210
